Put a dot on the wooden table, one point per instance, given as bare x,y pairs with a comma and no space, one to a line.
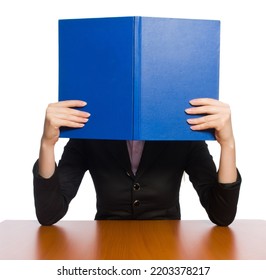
138,240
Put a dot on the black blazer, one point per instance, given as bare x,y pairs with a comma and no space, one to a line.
153,193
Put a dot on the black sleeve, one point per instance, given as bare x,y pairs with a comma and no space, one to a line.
219,200
52,196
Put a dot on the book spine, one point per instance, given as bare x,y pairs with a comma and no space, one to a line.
137,78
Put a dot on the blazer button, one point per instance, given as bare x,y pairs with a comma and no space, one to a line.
136,203
136,186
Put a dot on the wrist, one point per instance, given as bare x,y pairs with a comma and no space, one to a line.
47,143
228,143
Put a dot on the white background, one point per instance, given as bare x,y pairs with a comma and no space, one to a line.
29,81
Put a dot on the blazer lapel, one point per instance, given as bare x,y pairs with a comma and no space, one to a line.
152,149
118,149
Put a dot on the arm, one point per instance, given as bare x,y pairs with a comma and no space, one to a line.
217,116
57,115
219,198
51,197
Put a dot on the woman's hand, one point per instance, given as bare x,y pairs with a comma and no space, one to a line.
217,115
62,114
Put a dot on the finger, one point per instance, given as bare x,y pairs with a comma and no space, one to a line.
55,110
203,110
205,122
72,124
72,118
74,112
204,119
204,126
205,101
66,123
69,103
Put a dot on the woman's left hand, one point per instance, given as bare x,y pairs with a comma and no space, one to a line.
216,115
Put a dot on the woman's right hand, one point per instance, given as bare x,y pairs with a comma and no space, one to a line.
61,114
57,115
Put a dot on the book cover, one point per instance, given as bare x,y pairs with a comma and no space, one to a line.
137,74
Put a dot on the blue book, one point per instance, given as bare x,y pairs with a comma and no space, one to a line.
138,74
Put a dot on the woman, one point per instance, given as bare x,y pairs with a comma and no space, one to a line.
137,180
